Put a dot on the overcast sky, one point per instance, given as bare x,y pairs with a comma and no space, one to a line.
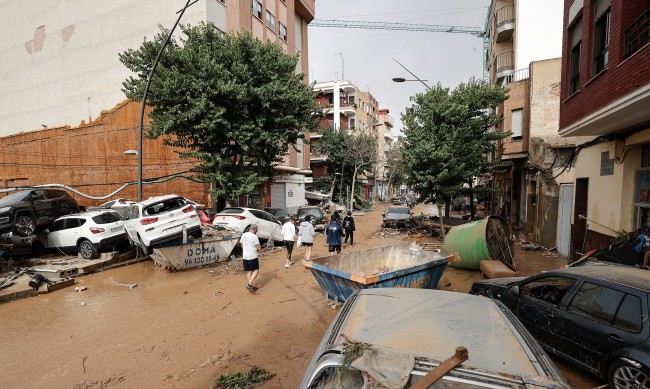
367,54
448,58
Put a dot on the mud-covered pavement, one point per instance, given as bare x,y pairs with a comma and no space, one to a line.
185,329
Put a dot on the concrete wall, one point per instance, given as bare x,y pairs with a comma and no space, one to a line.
90,158
60,61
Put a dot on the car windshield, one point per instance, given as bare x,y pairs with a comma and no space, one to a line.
165,206
399,210
12,198
107,217
232,210
280,213
310,211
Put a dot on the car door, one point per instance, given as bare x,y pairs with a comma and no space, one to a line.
53,236
264,228
71,233
43,210
275,227
599,319
539,301
130,225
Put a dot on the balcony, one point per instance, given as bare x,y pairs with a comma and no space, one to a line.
637,34
503,65
519,75
504,23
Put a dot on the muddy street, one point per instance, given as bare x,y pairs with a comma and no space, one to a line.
185,329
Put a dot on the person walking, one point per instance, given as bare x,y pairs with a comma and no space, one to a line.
306,234
288,235
334,234
349,228
250,253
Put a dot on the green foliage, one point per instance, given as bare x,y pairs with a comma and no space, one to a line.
241,380
230,102
448,137
348,154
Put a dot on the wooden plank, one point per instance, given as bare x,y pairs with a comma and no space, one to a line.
434,375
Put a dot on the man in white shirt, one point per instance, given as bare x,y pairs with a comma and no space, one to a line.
289,234
250,248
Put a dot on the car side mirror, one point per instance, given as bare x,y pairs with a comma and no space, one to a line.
515,290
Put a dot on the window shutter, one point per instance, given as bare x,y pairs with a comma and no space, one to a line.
576,33
600,7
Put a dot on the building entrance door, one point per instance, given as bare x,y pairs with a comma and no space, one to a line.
563,239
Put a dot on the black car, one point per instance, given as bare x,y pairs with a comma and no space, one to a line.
397,217
596,317
279,214
28,211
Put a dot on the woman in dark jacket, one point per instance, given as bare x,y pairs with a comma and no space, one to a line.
348,227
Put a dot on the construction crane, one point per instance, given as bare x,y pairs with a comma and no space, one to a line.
476,31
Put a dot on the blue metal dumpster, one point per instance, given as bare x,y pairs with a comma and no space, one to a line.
381,267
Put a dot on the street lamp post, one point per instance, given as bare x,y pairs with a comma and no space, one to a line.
400,79
146,91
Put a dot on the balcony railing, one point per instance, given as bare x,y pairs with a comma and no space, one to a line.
503,64
504,22
637,34
519,75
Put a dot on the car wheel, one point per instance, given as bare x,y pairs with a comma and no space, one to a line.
198,234
38,249
87,249
624,375
25,225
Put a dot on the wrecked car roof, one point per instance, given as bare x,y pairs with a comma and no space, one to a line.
624,275
432,324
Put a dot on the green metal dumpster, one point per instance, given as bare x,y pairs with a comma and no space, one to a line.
479,240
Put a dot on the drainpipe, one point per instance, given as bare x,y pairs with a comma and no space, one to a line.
337,105
537,188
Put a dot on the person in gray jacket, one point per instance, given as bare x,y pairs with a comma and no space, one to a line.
306,233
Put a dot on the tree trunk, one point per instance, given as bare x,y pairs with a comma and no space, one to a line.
354,178
472,211
442,222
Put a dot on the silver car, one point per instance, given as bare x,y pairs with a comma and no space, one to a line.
394,337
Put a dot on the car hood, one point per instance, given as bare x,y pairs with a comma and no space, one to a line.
499,281
397,216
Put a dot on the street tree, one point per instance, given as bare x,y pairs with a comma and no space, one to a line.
351,153
232,103
448,138
395,166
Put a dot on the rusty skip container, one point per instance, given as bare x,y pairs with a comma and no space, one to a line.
380,267
477,241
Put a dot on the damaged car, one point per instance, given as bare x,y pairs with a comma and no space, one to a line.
397,217
393,337
595,317
161,219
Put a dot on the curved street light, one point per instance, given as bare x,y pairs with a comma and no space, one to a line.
146,91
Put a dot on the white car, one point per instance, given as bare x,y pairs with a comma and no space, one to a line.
85,233
161,219
240,219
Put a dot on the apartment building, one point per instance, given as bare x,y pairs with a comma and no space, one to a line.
605,94
532,195
63,116
386,141
347,107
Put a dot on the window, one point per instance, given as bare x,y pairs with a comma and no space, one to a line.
606,164
574,60
352,124
270,21
351,100
548,289
608,306
601,36
283,32
257,9
330,100
517,123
